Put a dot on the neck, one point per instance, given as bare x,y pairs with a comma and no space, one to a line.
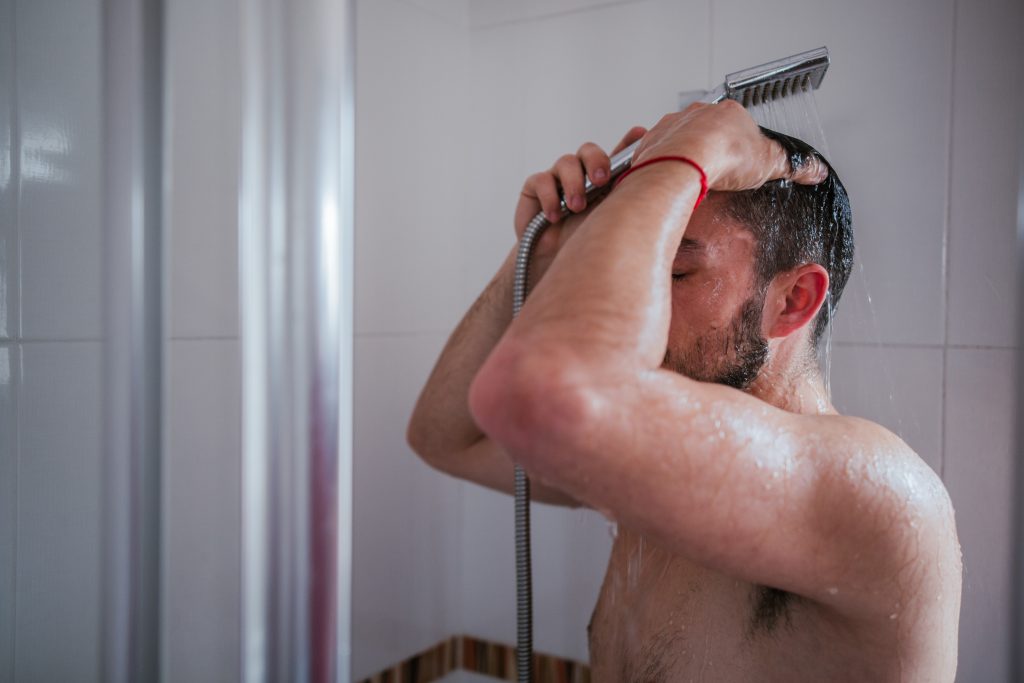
790,380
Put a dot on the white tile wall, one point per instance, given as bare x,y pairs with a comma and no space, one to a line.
409,162
983,188
59,489
204,129
455,12
488,565
570,553
10,369
202,479
202,511
897,387
8,188
540,89
885,105
58,81
406,576
979,474
484,13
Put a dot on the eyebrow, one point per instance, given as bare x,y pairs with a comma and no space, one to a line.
690,246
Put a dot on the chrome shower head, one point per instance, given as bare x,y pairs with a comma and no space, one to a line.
759,84
776,80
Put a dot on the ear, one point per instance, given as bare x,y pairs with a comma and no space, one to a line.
796,297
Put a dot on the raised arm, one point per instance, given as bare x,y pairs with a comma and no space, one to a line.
442,430
575,392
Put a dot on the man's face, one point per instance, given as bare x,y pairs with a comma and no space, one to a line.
715,332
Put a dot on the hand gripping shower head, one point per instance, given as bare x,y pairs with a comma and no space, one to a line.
760,84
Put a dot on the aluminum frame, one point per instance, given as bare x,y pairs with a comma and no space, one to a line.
295,248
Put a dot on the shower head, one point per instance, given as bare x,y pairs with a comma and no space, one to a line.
775,80
757,85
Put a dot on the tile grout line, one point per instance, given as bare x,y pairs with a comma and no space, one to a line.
553,15
946,232
906,345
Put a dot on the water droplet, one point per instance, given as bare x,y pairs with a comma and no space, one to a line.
893,615
613,529
833,590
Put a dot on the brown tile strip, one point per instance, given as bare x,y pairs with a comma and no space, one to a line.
480,656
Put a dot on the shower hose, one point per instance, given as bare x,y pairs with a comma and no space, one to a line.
524,579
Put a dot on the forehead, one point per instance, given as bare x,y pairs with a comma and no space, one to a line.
713,234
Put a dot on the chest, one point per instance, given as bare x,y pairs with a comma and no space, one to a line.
660,617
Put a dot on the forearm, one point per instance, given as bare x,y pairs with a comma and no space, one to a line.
607,296
441,423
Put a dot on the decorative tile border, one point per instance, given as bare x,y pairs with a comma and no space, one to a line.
479,656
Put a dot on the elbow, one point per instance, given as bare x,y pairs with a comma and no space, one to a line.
533,403
418,435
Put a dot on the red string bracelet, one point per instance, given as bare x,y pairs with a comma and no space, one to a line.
685,160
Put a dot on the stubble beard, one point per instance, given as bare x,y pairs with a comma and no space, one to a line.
732,356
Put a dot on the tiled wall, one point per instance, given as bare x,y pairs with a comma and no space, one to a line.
202,471
923,132
50,345
410,139
50,326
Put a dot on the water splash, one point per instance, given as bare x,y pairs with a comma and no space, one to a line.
798,116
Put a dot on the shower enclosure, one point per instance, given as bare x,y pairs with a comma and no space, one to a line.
175,339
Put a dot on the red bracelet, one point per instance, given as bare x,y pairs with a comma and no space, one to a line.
685,160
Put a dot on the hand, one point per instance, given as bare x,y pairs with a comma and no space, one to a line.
728,145
541,192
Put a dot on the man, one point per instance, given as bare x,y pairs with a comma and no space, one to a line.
662,371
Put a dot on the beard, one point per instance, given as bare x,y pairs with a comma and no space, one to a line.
733,355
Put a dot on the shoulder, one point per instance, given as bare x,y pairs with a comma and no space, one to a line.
873,464
894,509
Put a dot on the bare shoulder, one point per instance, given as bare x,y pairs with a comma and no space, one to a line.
875,465
896,515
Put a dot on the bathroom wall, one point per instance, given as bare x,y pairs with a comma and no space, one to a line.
50,349
919,122
202,466
412,61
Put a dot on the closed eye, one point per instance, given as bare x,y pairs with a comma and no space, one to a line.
676,277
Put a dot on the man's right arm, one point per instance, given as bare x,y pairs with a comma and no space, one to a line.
441,430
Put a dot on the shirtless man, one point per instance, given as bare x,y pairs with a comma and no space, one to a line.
662,372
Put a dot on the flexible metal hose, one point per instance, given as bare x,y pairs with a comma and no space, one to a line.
524,578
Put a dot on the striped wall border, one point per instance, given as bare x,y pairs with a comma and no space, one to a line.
479,656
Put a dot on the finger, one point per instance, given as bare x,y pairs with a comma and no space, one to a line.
634,134
797,166
694,106
595,163
543,187
811,172
569,173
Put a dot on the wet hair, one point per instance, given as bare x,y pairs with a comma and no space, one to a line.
798,224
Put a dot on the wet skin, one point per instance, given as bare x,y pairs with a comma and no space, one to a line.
762,536
663,617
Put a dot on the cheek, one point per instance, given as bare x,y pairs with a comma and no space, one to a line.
701,305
